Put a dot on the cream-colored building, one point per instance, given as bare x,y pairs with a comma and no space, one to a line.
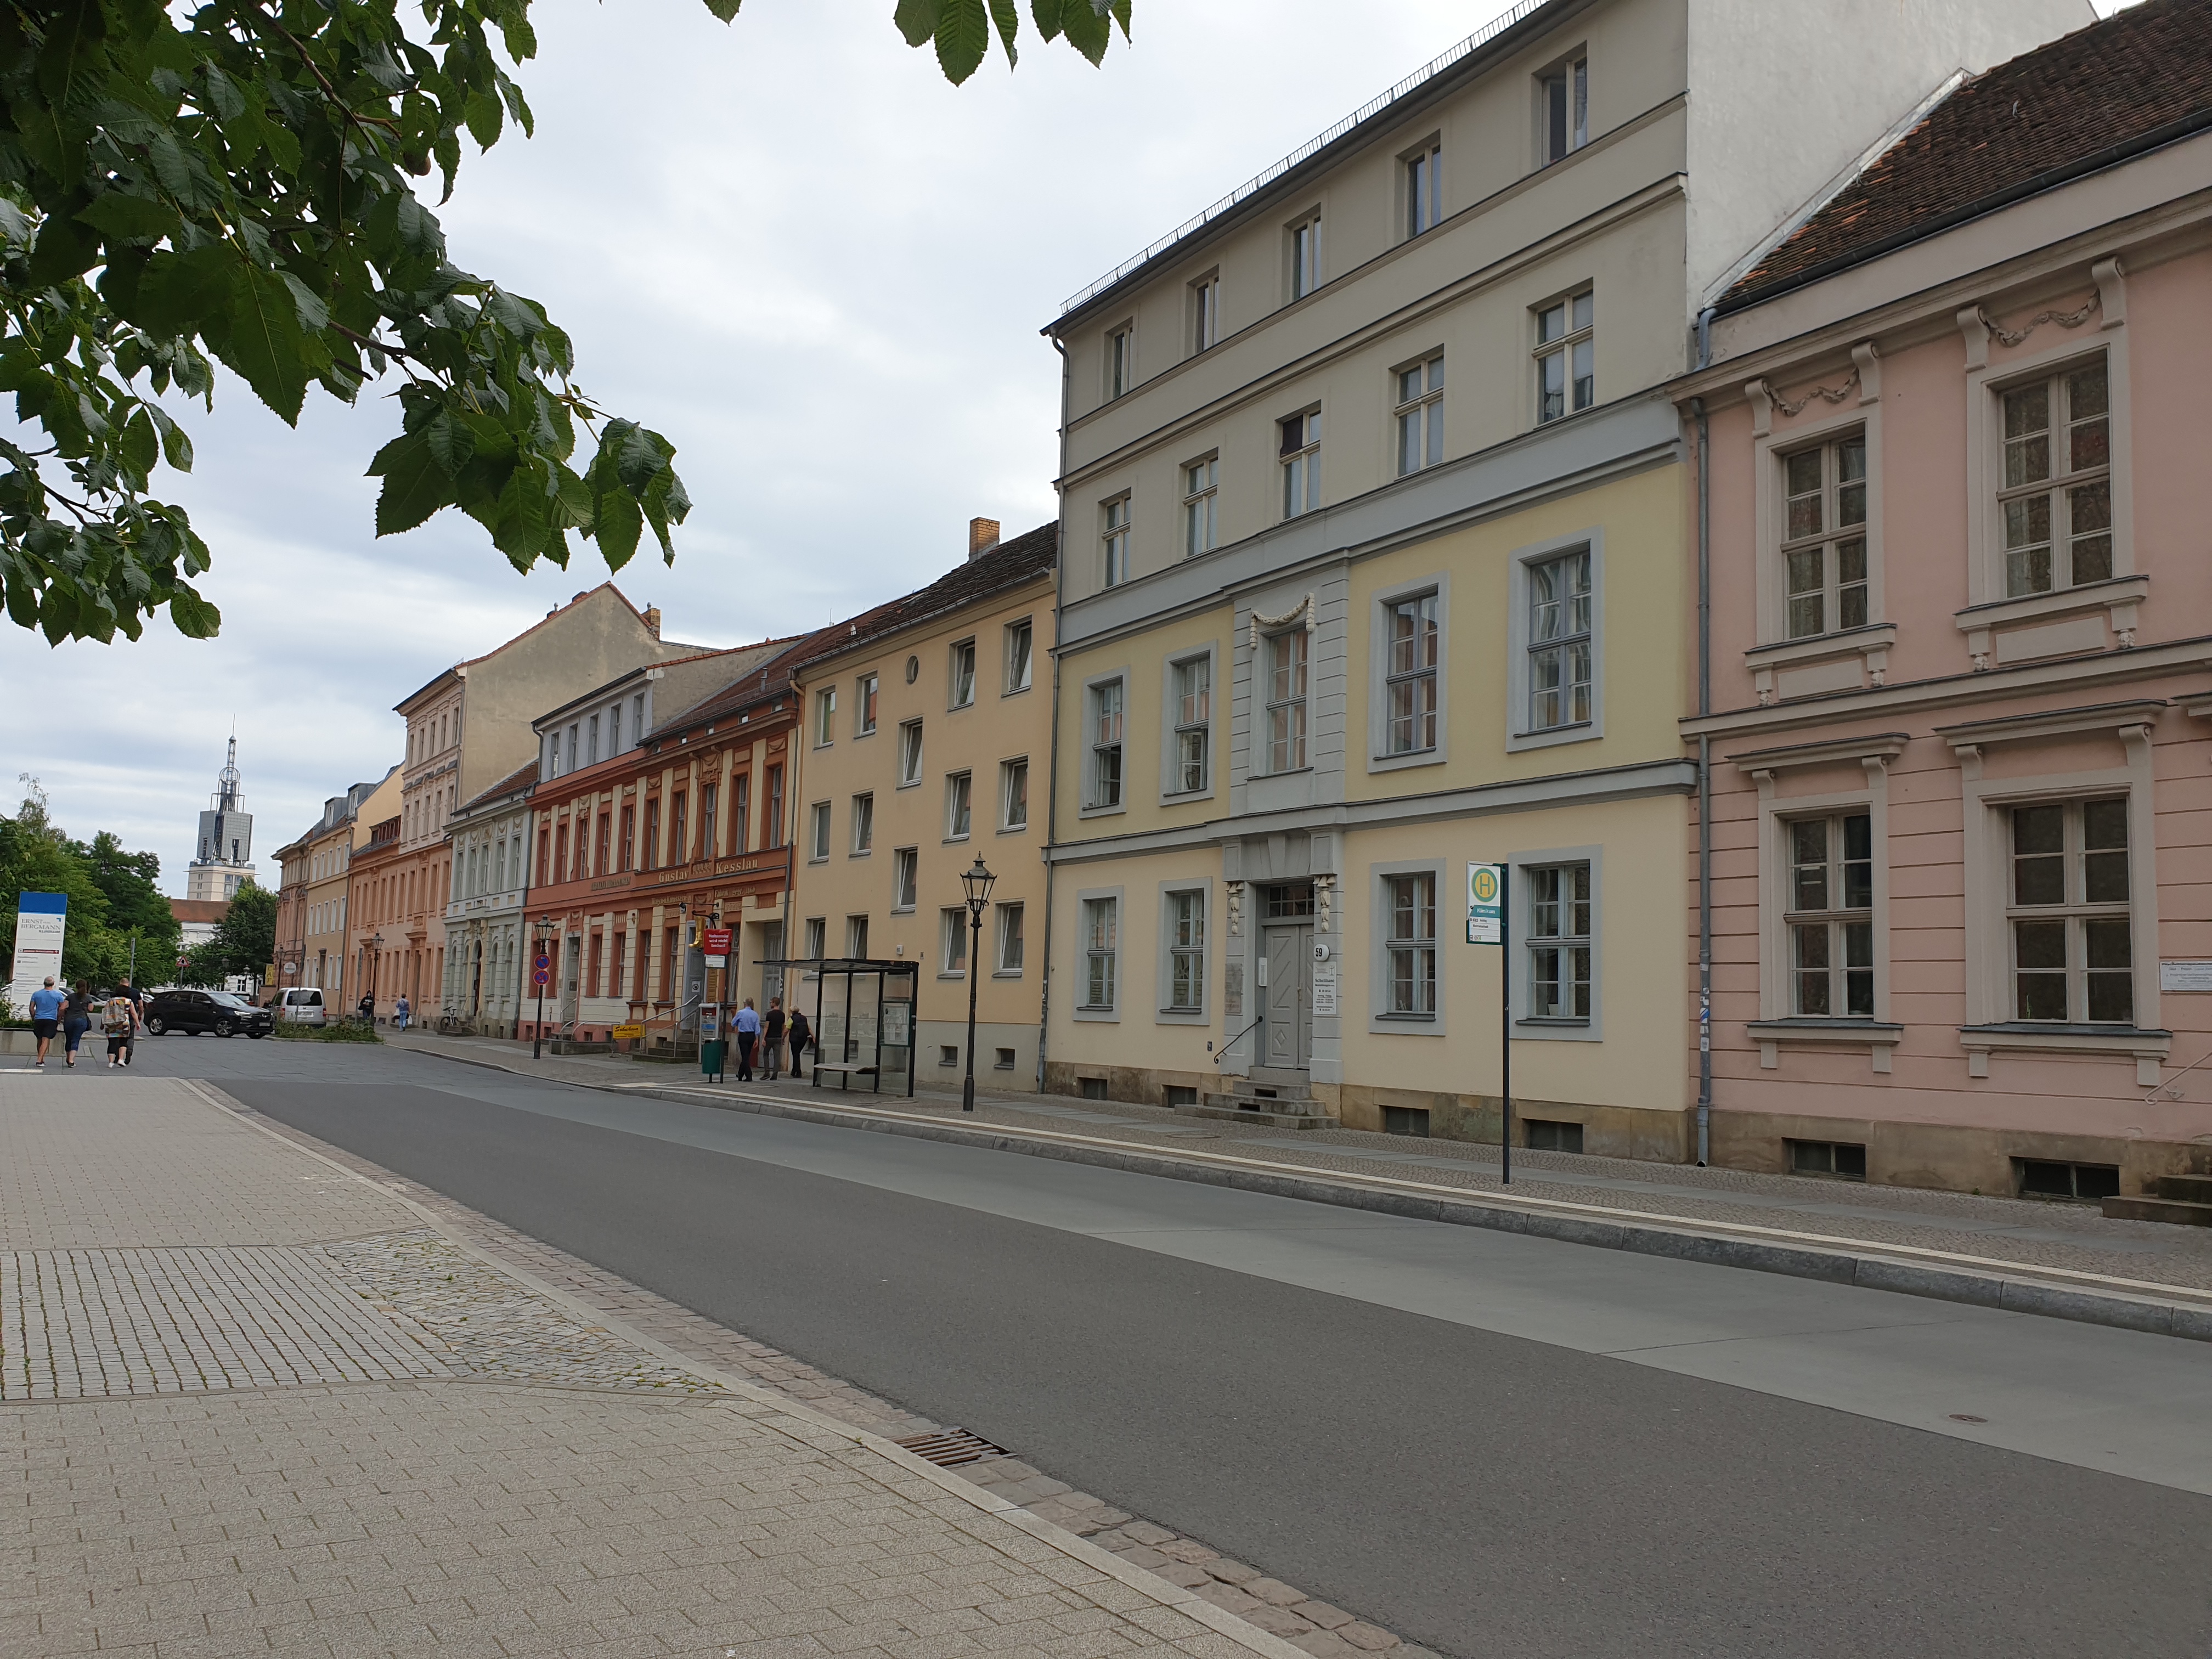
924,722
330,862
1376,565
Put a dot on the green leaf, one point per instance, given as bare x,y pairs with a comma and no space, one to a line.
483,112
916,19
521,529
1045,14
141,450
176,448
180,293
963,35
132,217
727,11
264,346
195,618
1089,29
1009,24
452,444
414,484
616,525
74,52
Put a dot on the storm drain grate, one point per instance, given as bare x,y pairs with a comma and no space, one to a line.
950,1448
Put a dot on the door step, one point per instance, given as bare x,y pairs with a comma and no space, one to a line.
2181,1200
1271,1114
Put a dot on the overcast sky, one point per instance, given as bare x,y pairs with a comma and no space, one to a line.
787,244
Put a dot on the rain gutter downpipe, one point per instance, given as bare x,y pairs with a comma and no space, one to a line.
1704,754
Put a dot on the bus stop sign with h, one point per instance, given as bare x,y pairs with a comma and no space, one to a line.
1485,925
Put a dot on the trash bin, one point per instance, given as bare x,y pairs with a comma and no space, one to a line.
710,1057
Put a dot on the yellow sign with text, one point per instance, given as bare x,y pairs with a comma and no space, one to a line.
623,1031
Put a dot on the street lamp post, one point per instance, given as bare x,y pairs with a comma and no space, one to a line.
541,965
976,884
375,962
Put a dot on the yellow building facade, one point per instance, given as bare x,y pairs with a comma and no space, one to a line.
925,721
1377,561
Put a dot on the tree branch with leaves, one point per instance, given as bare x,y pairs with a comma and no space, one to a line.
231,184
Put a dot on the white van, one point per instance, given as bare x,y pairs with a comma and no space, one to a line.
303,1006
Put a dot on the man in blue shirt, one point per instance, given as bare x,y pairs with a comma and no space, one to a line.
748,1028
45,1016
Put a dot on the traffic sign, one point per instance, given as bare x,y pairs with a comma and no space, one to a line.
543,964
541,974
1485,904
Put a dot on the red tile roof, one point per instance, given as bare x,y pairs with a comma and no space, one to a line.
521,778
1008,565
2088,100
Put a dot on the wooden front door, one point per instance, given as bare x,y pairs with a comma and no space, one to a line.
1288,1003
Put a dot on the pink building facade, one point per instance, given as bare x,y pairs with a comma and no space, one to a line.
1960,543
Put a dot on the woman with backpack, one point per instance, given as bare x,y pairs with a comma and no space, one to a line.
118,1024
801,1035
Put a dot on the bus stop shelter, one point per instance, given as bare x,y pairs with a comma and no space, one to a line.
863,1017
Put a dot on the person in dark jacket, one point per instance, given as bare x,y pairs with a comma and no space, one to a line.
772,1039
76,1019
800,1036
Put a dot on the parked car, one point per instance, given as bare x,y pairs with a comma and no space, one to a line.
300,1005
193,1012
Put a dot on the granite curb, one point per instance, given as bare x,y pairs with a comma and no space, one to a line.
863,1445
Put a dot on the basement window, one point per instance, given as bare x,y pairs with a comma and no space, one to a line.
1544,1134
1094,1088
1837,1160
2078,1183
948,1054
1405,1120
1175,1094
1005,1061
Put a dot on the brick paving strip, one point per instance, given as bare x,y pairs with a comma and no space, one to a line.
2062,1261
372,1422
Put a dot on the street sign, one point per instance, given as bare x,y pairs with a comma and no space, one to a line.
1485,904
541,975
715,941
544,964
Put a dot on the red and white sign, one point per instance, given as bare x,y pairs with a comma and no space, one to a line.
714,942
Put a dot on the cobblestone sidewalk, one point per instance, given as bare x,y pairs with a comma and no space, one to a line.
315,1436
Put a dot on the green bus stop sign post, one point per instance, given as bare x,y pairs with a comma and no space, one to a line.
1487,925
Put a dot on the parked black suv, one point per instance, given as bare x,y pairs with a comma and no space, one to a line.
219,1011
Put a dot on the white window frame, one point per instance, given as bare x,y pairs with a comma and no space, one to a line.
1173,728
1836,918
1113,540
1380,898
1093,742
952,942
1019,766
856,935
1421,187
1006,915
1201,892
1828,541
1265,746
864,824
1570,74
1987,604
1109,1012
1520,708
1567,348
1770,454
1302,256
1020,637
1379,677
825,717
1418,414
1204,312
865,691
909,755
1298,466
906,879
959,806
1201,504
959,661
816,938
1519,891
1119,365
817,832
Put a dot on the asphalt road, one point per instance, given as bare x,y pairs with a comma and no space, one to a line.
1359,1408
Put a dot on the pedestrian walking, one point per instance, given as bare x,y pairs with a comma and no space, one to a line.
77,1020
137,998
399,1012
118,1024
772,1039
367,1009
800,1036
46,1018
748,1024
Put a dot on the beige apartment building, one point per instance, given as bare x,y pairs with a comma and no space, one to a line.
1375,566
329,865
924,721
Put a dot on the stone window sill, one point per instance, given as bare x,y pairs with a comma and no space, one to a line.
1878,1037
2149,1047
2004,631
1846,661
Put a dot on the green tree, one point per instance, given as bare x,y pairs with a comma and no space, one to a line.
245,940
229,182
34,861
136,905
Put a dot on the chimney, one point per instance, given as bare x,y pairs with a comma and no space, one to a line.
652,620
982,537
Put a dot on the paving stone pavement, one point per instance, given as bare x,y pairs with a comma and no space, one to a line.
1312,1627
543,1482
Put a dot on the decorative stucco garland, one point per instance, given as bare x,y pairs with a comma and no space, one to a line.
1304,608
2063,319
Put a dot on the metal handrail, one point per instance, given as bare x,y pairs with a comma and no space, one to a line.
1223,1053
1428,71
